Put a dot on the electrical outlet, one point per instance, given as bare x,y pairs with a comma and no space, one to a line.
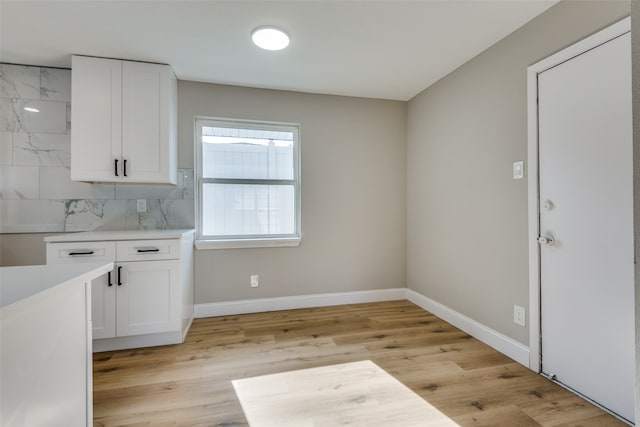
519,315
254,280
142,205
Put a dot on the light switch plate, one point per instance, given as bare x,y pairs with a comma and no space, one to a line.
518,170
142,205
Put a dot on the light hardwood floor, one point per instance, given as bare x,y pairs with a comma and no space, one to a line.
190,384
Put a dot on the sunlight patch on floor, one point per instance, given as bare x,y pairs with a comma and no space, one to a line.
351,394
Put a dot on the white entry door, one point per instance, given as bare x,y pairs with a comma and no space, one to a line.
586,202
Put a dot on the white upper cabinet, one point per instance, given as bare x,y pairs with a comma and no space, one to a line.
123,121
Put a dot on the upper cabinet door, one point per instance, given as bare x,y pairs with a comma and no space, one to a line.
148,122
123,126
96,118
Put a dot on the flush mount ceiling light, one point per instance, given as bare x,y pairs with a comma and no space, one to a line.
270,38
31,109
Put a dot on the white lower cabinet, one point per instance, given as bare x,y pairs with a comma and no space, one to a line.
136,298
147,299
103,307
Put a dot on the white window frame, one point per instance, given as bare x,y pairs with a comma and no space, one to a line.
246,241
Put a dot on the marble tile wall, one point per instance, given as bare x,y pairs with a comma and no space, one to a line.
36,191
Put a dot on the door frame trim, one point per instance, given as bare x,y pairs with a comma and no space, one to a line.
609,33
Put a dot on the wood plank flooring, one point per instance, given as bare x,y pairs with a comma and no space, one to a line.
190,384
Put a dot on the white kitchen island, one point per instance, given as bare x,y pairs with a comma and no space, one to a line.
45,344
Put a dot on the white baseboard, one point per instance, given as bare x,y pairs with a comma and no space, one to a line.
505,345
293,302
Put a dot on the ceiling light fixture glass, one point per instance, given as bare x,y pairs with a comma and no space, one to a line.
31,109
270,38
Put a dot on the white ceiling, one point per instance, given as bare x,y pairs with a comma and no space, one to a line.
389,49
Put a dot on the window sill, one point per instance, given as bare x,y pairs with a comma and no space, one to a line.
249,243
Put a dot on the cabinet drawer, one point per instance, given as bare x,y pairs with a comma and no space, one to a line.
58,253
148,250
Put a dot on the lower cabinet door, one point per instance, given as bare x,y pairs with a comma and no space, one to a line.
148,299
103,306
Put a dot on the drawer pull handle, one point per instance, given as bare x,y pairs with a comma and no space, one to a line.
124,167
109,279
116,166
81,253
148,250
120,276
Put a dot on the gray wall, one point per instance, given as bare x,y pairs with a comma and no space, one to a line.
635,46
23,249
353,200
466,216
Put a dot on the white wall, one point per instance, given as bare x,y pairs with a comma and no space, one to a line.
466,216
353,199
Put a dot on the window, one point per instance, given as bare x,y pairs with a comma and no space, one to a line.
248,184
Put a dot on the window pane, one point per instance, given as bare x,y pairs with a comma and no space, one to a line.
245,209
246,153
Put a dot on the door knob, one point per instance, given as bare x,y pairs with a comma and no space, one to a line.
545,240
548,205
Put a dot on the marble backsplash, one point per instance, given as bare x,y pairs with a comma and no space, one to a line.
36,191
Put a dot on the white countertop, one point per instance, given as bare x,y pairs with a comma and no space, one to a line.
88,236
19,283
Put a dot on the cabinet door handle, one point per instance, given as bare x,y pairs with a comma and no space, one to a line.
148,250
120,276
124,167
109,279
116,166
81,253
